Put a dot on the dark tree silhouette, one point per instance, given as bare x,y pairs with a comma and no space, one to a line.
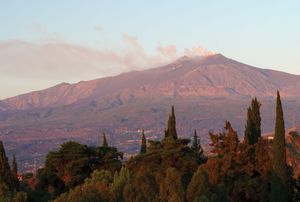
171,130
143,149
279,180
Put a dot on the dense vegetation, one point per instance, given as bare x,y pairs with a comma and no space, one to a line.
173,169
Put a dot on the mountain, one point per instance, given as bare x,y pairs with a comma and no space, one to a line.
205,91
211,76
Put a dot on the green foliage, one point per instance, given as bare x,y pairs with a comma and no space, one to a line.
96,188
142,187
166,170
99,177
149,171
279,186
253,124
199,185
107,158
50,182
85,193
120,180
72,164
171,188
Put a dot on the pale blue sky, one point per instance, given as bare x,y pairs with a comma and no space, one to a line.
259,33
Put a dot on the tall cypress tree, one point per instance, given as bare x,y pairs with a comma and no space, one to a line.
104,141
279,180
253,124
14,166
171,130
250,136
255,105
15,172
196,143
143,149
5,172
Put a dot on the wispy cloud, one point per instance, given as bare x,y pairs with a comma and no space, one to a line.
56,60
61,60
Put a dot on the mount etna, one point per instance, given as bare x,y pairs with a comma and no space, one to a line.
205,91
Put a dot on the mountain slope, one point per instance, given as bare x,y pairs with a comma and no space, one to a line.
205,91
211,76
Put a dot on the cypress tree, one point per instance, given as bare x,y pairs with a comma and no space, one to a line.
279,180
143,149
249,135
5,172
171,130
104,141
196,143
256,116
14,166
15,172
253,124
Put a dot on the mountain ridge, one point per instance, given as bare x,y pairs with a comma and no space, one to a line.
209,76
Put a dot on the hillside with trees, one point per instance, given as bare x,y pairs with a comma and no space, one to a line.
206,90
172,169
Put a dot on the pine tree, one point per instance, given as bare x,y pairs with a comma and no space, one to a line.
5,172
196,147
253,124
171,130
143,149
104,141
279,180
